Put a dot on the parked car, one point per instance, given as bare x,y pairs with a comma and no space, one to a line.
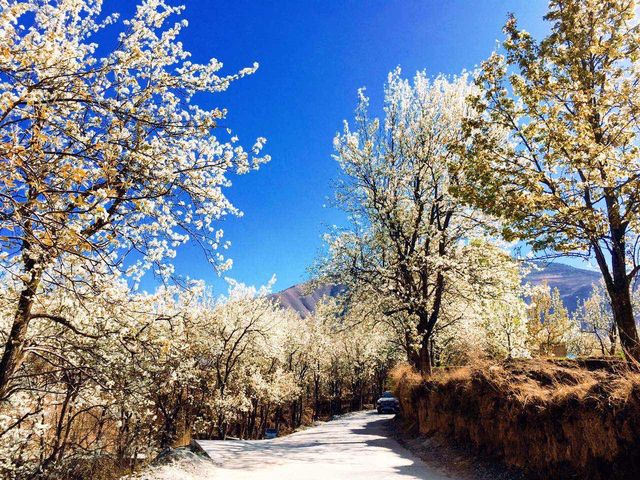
270,433
387,403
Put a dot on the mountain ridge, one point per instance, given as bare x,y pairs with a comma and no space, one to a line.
574,284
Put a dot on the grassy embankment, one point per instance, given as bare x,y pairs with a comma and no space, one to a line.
552,419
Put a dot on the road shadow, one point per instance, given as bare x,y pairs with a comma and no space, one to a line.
356,443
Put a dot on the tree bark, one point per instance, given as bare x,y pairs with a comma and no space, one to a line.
252,420
625,321
316,397
618,284
294,413
424,358
612,339
14,348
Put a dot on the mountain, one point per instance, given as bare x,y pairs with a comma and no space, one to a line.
304,302
574,285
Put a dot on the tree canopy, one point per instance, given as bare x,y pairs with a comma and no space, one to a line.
553,147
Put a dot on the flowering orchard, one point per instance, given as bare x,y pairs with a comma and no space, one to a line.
108,165
141,372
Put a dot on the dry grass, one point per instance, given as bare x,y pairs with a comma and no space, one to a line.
555,419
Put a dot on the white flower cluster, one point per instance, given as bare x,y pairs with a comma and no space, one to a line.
110,154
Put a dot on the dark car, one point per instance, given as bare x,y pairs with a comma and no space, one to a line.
387,403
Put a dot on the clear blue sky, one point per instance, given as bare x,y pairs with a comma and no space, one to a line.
313,57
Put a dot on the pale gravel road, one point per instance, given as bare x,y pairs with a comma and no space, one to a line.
350,448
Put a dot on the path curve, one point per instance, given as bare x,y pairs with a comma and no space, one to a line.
352,447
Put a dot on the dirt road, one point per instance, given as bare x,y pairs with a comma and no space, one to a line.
352,447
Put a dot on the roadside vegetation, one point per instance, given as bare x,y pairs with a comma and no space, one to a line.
546,419
140,373
108,166
539,146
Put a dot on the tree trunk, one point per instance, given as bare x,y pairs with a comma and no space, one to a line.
421,360
617,281
252,420
300,411
427,321
264,417
316,397
294,413
222,429
625,322
618,285
601,342
278,417
15,344
424,358
612,339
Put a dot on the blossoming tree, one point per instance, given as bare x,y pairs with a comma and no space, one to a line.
104,154
408,250
554,151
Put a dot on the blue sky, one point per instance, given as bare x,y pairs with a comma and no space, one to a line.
313,57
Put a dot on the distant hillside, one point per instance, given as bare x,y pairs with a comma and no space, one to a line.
304,303
574,284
